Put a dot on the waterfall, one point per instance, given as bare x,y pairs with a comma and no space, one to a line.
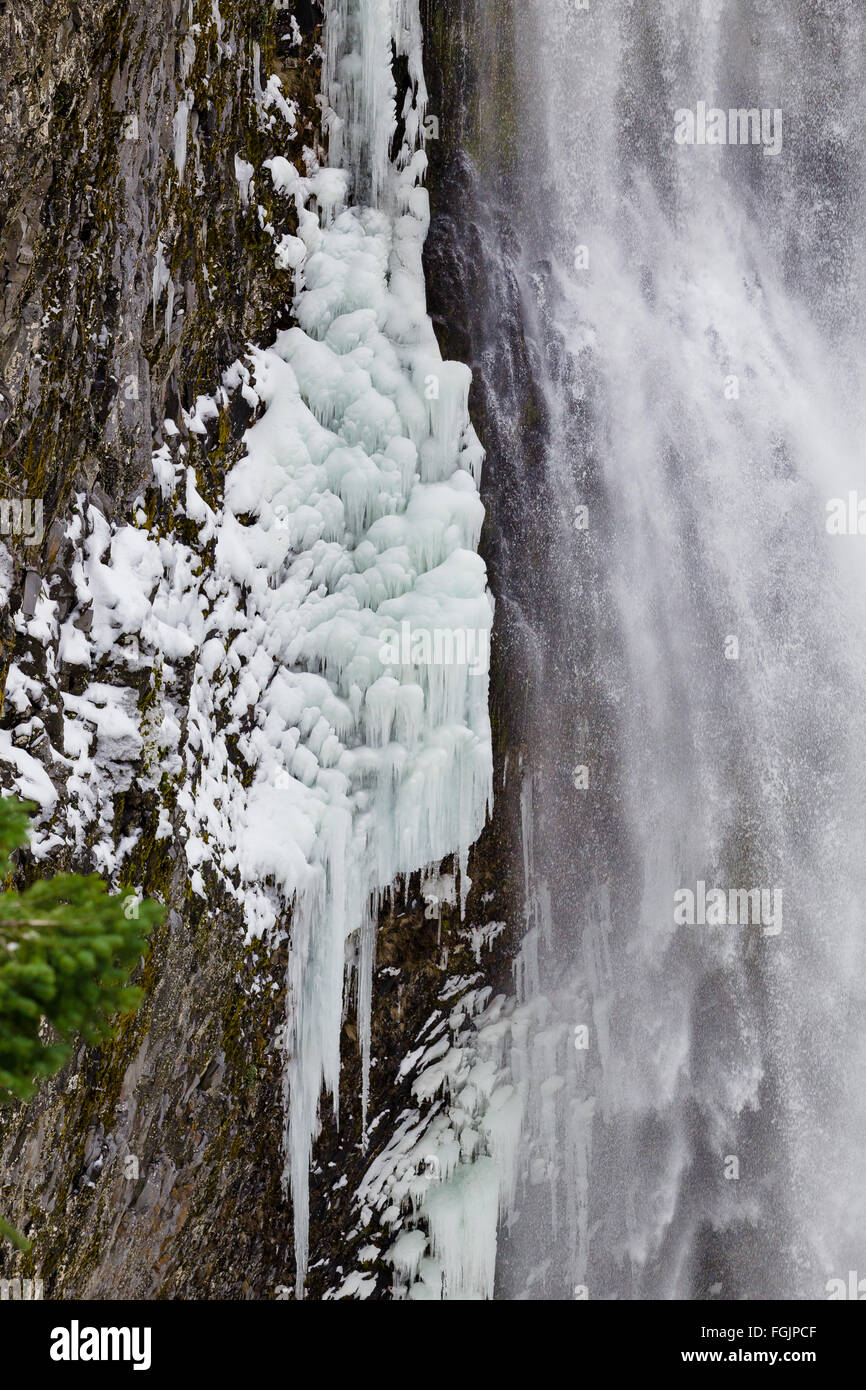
667,343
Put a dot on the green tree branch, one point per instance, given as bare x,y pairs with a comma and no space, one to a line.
67,950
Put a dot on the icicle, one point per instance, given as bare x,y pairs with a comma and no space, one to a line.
366,965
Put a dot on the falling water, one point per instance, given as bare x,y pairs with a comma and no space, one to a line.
668,349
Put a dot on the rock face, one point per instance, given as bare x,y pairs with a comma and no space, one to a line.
135,269
139,261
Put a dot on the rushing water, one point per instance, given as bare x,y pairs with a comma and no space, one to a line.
671,336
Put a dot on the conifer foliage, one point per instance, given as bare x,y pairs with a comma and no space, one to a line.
67,949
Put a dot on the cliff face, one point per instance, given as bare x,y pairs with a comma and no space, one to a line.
144,249
136,268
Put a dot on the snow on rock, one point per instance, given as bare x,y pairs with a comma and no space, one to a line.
447,1176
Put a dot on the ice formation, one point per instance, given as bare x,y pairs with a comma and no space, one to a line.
434,1196
362,473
